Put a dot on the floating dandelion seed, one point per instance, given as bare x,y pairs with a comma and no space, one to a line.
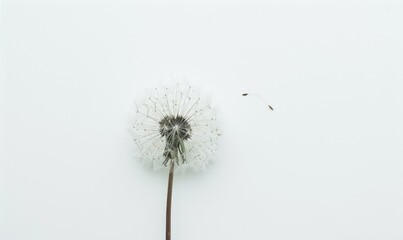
175,128
253,94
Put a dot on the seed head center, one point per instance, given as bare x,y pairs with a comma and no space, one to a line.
175,128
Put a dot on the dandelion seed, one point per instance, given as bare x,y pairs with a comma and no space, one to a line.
262,99
175,128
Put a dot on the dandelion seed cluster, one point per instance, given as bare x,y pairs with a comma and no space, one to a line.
175,125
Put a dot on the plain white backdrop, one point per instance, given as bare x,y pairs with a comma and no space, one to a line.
326,164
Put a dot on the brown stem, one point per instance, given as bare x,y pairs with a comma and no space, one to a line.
169,201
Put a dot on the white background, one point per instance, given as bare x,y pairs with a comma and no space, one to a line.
326,164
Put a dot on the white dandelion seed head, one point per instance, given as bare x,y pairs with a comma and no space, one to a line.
175,124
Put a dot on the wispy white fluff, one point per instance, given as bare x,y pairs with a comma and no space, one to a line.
178,100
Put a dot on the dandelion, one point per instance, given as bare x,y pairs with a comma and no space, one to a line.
175,128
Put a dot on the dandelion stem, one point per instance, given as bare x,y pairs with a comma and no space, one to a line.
169,201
